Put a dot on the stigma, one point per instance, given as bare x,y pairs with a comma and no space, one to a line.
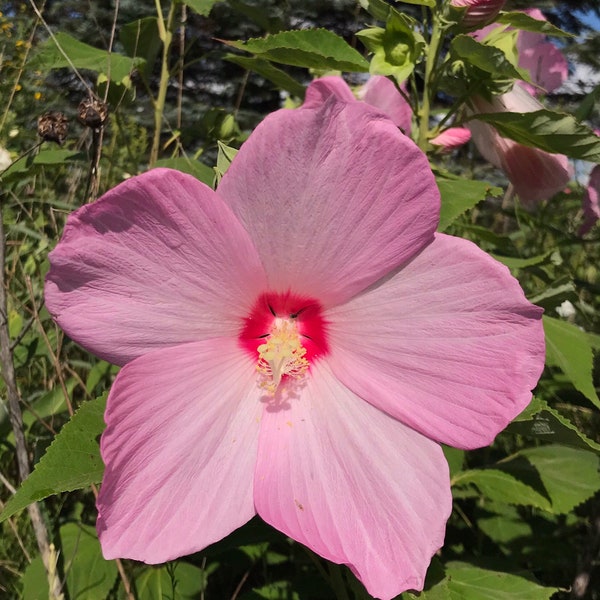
282,355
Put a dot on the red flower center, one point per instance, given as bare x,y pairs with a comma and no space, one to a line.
284,332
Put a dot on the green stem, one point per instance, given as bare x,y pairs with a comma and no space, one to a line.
429,91
165,32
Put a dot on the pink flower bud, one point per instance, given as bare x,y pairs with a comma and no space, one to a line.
452,138
479,12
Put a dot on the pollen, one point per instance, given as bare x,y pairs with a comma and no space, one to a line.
281,355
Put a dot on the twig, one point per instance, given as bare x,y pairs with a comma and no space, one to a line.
16,419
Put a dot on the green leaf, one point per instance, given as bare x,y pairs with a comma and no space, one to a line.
468,582
488,59
547,130
89,576
543,422
521,20
516,263
196,168
460,195
224,157
569,475
202,7
82,56
141,39
71,462
501,486
379,9
587,105
177,581
506,527
570,349
310,48
267,70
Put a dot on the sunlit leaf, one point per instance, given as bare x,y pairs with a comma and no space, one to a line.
460,195
89,576
542,422
548,130
82,56
187,165
570,349
310,48
521,20
71,462
503,487
569,475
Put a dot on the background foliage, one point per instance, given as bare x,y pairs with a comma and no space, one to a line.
526,520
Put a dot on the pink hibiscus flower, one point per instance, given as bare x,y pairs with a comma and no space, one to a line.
295,345
536,175
378,91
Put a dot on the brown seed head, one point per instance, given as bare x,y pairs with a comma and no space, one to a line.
53,127
92,113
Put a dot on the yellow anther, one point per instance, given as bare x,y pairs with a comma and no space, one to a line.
281,354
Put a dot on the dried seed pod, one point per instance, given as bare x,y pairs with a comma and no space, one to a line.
92,112
53,127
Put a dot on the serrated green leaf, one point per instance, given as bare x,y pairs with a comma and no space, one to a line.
71,462
570,349
267,70
460,195
196,168
570,476
82,56
488,59
467,582
544,423
548,130
521,20
202,7
309,48
501,486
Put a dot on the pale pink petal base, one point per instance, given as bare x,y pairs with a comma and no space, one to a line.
337,192
157,261
449,344
180,450
353,484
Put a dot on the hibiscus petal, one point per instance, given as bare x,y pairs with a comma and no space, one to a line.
334,197
449,344
157,261
353,484
180,449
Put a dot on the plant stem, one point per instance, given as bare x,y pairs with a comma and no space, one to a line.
429,91
16,420
165,32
